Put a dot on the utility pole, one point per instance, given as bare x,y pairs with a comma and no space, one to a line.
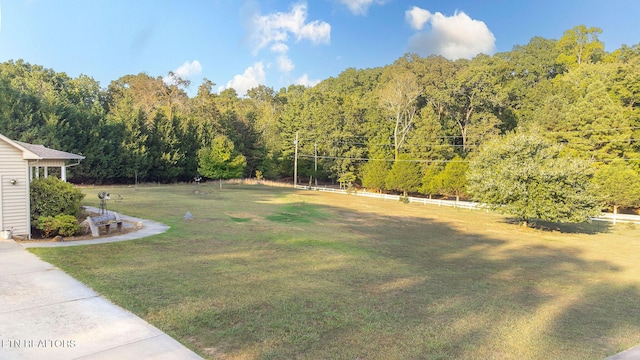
295,163
315,167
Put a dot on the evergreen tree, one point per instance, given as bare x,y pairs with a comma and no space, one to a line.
404,175
431,182
452,180
374,174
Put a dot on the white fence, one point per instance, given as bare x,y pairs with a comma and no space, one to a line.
411,200
617,218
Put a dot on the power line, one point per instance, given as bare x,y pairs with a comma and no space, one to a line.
460,136
427,160
601,130
404,145
335,142
387,160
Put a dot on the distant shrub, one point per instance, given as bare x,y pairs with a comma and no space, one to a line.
52,196
61,224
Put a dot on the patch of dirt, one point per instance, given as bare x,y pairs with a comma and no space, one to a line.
242,215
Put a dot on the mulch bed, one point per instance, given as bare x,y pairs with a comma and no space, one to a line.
127,227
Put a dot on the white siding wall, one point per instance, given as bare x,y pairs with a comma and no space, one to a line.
14,199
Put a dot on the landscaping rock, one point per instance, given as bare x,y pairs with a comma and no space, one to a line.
85,228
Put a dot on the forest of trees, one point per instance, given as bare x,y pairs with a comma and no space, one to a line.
411,126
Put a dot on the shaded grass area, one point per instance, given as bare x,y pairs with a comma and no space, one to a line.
270,273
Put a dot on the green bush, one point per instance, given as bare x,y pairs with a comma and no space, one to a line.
61,224
52,196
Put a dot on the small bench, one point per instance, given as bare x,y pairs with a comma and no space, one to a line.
106,220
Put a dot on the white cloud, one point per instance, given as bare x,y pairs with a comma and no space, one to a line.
275,31
417,17
252,77
276,28
285,64
185,71
453,37
360,7
189,69
280,48
304,80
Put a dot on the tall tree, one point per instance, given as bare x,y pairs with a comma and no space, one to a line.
165,152
220,160
268,107
580,45
145,91
129,122
452,179
618,184
173,92
428,141
525,175
404,175
399,97
581,112
476,98
431,182
532,67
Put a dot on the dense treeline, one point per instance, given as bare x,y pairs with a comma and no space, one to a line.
408,126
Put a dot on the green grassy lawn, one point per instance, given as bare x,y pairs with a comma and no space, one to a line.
273,273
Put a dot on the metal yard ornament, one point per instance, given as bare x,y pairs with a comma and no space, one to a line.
103,196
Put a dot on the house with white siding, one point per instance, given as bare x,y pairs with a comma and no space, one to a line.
19,164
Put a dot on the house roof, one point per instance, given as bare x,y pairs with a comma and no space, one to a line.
44,153
40,152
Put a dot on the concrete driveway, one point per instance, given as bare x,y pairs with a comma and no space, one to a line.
47,314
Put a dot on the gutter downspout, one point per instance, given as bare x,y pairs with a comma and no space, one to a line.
63,170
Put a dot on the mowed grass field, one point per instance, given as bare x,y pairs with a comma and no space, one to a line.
273,273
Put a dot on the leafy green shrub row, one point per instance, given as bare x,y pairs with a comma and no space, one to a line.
61,224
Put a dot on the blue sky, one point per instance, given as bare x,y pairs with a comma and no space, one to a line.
240,44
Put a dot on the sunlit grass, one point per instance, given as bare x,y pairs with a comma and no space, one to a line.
272,273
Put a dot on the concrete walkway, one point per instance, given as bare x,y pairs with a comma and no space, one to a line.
47,314
631,354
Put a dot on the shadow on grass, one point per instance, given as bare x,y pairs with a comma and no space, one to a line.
423,289
482,286
593,227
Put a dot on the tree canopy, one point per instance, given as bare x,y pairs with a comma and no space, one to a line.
221,161
419,116
618,184
526,176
